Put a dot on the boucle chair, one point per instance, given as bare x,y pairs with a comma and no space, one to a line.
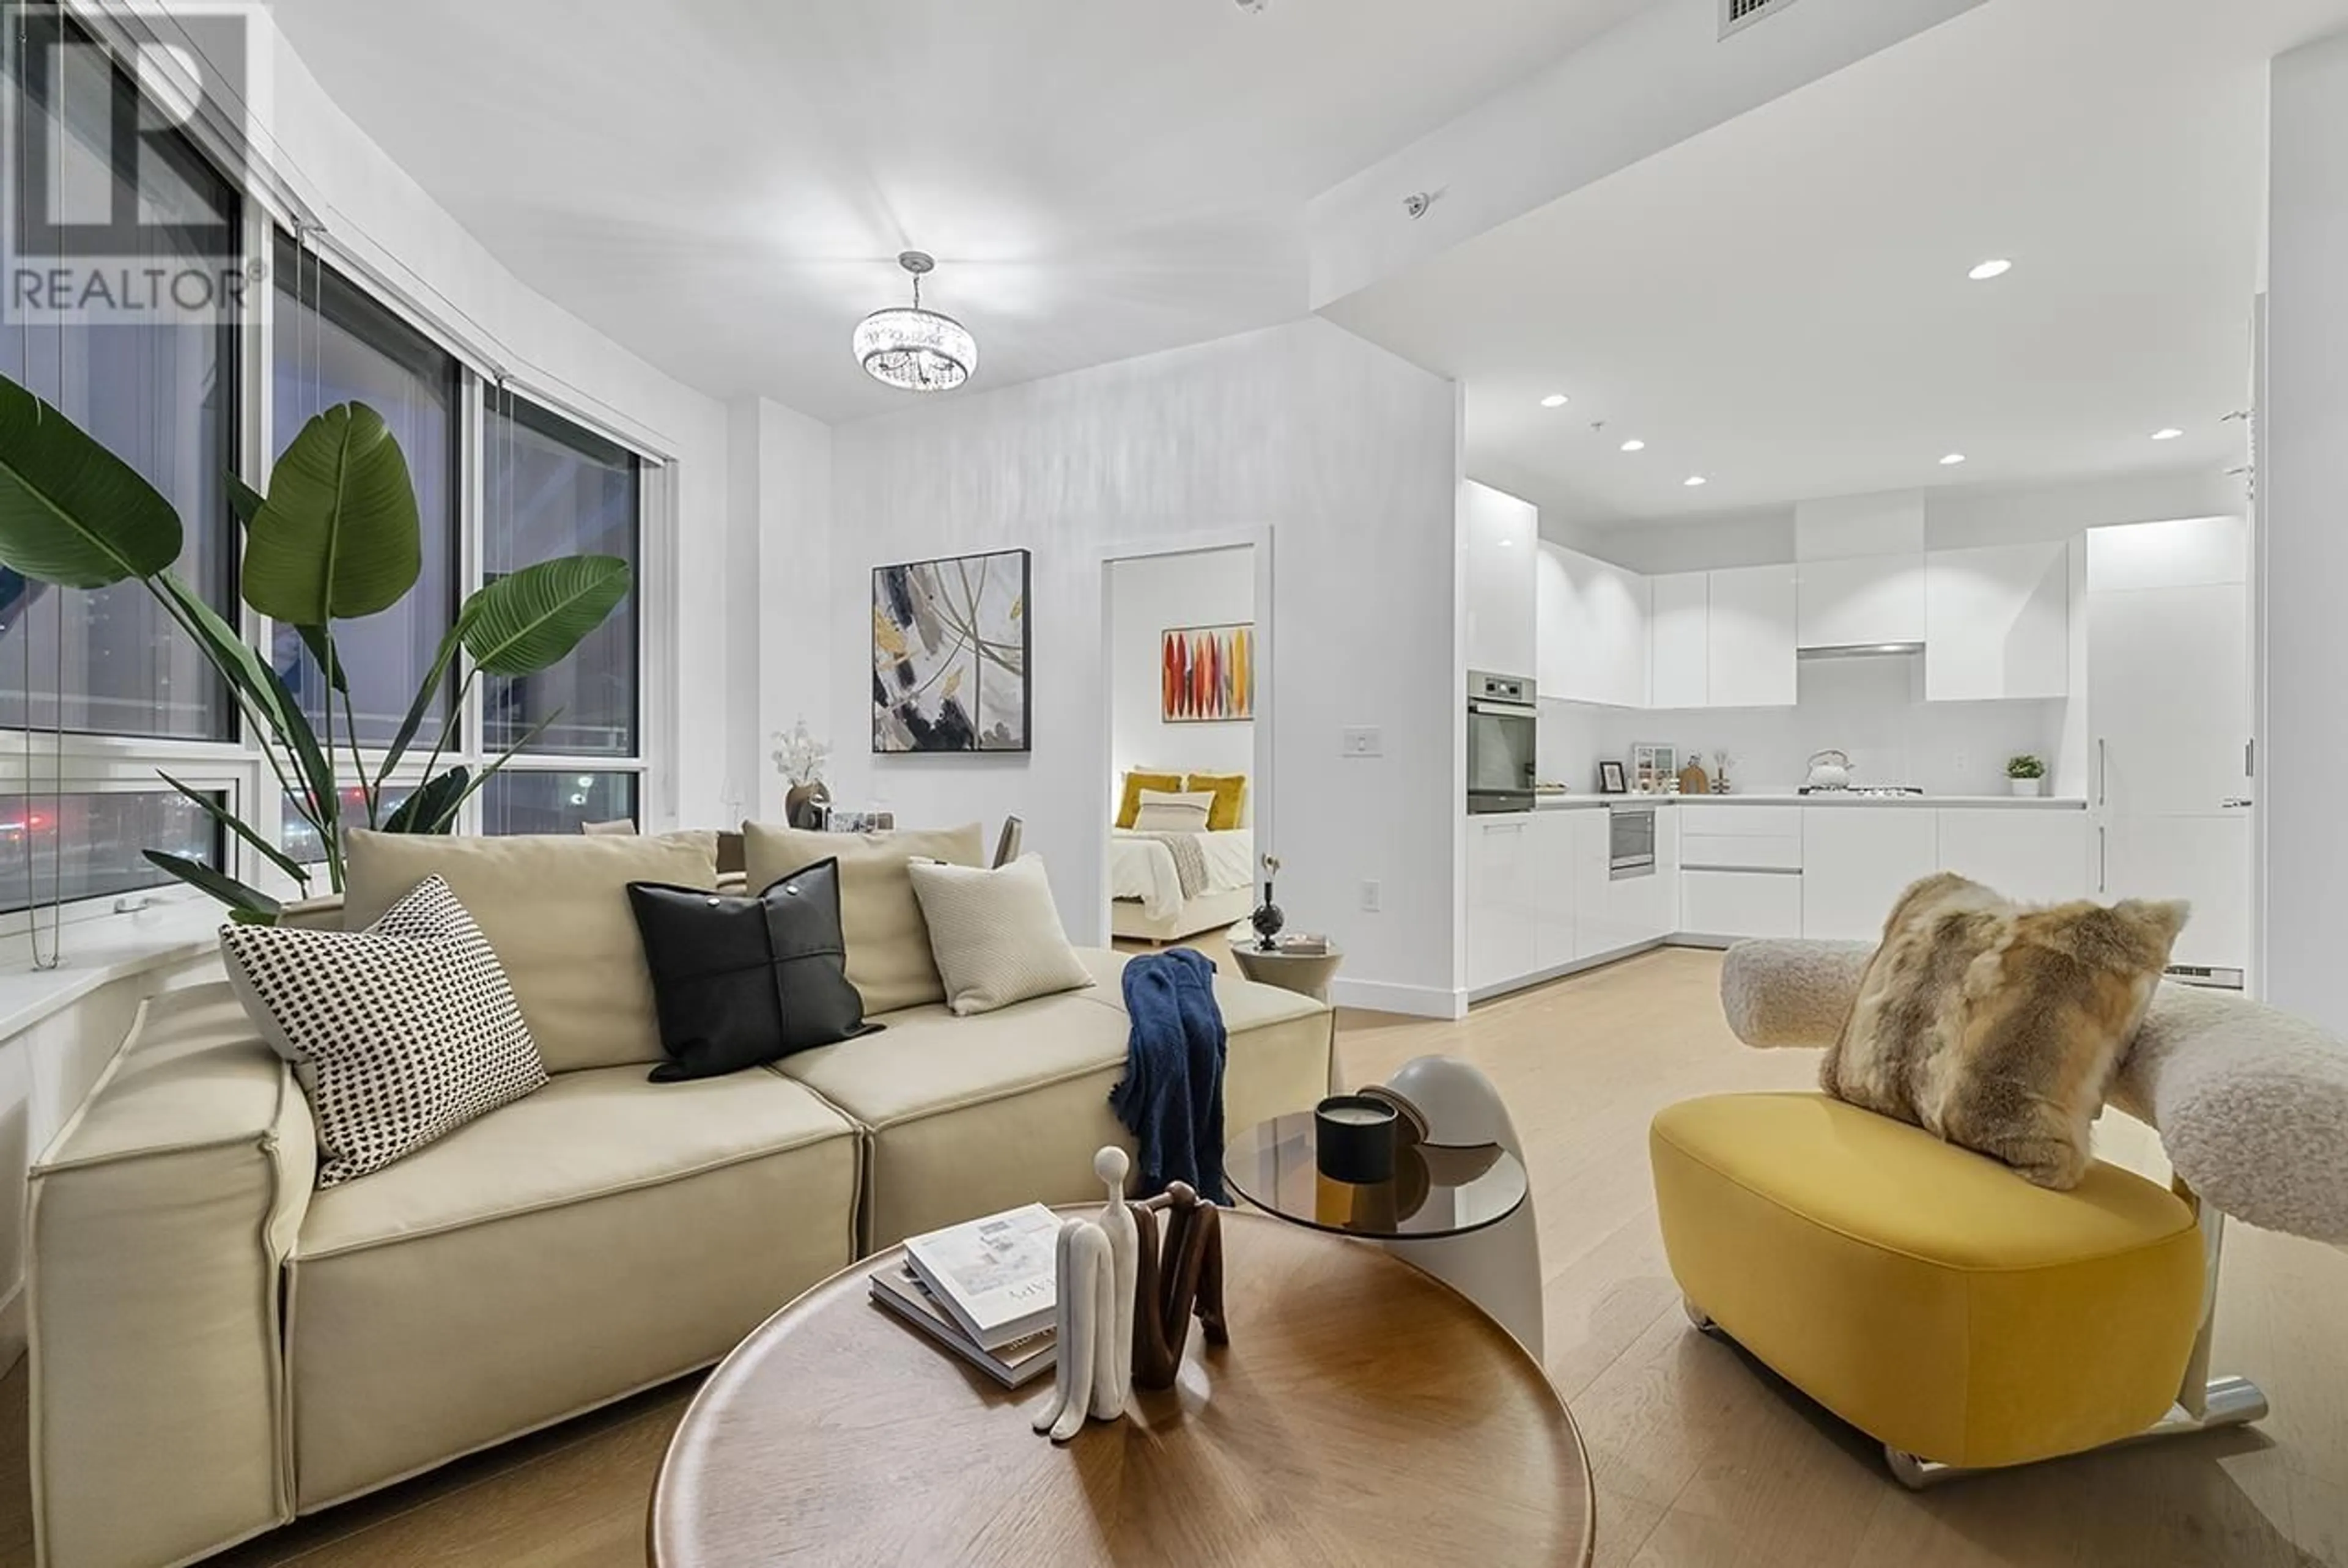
1948,1308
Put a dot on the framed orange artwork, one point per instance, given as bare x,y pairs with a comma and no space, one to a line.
1207,674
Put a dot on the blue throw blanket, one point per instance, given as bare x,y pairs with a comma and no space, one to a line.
1171,1098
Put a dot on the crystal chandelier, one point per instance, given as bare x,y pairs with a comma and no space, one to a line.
913,348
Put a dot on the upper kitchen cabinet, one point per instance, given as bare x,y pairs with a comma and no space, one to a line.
1865,600
1593,630
1997,622
1749,641
1679,639
1499,539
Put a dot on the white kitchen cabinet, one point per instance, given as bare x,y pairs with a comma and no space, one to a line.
1856,862
1741,902
1592,842
1679,639
1641,909
1498,540
1749,637
1997,622
1554,890
1593,629
2039,857
1502,908
1866,600
2203,859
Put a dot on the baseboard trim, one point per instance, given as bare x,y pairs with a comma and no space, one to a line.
1410,1001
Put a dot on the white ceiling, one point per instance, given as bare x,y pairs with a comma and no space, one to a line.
1781,304
722,185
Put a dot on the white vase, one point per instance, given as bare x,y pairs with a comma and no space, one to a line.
2028,787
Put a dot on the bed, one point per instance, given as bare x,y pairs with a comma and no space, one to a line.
1169,885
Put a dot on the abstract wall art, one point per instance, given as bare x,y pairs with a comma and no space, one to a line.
950,655
1207,674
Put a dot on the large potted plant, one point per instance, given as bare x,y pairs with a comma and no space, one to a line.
336,537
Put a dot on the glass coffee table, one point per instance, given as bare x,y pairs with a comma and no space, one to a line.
1457,1212
1438,1190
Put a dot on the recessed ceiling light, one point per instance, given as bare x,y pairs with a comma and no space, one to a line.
2170,434
1634,445
1692,480
1953,460
1555,400
1995,267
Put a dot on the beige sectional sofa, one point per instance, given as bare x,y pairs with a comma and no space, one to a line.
217,1346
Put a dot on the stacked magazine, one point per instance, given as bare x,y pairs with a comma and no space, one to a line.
984,1289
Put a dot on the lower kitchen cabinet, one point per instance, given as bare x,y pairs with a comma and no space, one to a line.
1857,861
2036,856
1502,923
1741,902
1592,850
1556,890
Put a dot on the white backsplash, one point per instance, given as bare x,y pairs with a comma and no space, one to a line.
1874,709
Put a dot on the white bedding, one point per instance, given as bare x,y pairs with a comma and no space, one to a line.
1142,869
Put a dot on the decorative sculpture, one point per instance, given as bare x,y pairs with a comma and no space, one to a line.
1123,1313
1187,1278
1093,1314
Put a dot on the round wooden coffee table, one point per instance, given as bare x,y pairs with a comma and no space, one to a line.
1362,1413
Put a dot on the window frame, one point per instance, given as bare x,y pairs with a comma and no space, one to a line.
41,761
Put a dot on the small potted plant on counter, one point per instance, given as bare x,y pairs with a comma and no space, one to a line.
2027,774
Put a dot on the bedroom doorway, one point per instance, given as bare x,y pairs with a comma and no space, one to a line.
1187,667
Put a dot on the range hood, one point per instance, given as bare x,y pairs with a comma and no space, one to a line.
1861,650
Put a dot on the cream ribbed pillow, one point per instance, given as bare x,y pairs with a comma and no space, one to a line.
996,935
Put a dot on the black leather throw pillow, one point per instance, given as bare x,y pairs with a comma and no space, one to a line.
741,981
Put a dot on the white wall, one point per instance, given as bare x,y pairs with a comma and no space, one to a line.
782,480
1148,596
1874,709
2303,545
1348,455
384,219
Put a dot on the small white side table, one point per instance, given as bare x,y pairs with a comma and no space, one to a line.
1306,974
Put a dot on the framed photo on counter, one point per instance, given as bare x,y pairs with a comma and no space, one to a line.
1611,780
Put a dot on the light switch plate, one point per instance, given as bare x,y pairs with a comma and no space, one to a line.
1372,896
1367,742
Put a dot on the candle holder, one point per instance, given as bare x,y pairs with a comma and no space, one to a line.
1354,1139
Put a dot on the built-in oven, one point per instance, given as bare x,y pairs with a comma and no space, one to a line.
1503,729
1631,842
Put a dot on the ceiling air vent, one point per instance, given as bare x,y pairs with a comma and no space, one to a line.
1737,15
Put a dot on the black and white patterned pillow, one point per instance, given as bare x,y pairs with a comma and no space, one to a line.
400,1033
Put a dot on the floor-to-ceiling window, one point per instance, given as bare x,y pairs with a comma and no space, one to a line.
101,690
84,673
551,488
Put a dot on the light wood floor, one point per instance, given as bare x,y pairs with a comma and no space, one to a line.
1701,1457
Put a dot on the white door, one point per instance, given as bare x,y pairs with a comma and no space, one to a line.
1741,902
2169,722
1750,656
1679,640
1856,862
1501,942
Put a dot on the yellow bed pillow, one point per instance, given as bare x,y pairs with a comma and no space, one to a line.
1229,791
1135,782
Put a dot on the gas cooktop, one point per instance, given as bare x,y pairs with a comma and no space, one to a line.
1878,792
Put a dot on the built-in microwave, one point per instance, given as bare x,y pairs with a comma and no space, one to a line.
1503,732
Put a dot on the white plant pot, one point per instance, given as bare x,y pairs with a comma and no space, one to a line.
2028,787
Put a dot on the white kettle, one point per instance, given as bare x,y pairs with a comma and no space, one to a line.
1829,771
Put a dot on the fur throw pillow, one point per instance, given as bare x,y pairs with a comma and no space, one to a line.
1998,1027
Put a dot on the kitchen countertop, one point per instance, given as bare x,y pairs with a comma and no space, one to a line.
1888,803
